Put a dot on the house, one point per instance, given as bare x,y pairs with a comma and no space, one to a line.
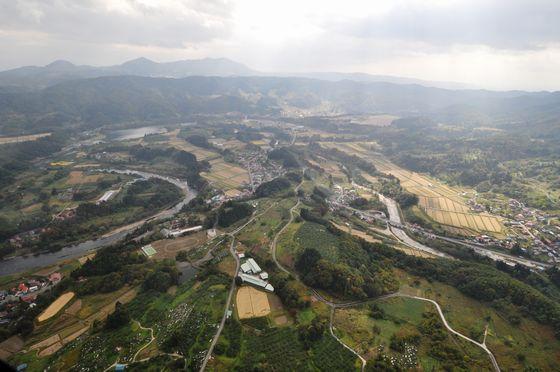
240,254
29,298
263,275
211,233
55,277
22,288
148,250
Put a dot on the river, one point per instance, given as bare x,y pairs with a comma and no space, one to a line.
133,133
24,263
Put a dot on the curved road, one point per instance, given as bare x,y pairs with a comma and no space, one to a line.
334,305
232,288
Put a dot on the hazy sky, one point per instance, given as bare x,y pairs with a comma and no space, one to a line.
500,44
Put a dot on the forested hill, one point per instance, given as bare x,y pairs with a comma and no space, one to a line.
93,102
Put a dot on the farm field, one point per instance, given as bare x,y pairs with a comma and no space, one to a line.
398,334
534,341
14,139
182,144
226,143
55,307
62,328
330,168
225,176
442,203
279,349
251,303
168,248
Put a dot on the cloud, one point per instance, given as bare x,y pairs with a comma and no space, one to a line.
501,24
492,43
168,24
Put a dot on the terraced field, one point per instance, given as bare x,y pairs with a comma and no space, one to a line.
226,176
442,203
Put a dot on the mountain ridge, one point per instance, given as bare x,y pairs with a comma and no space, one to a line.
37,77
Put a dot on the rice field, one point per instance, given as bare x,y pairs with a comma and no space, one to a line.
31,137
226,176
56,306
182,144
329,167
251,303
442,203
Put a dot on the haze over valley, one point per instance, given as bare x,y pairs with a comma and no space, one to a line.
230,186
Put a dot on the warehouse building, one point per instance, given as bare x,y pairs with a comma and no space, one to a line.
256,282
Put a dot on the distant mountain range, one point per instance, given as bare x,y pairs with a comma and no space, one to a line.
36,77
116,99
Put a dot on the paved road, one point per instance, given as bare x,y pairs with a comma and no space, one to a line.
481,345
362,359
395,217
232,288
332,305
496,256
24,263
275,240
400,234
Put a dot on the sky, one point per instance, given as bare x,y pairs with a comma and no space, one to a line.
494,44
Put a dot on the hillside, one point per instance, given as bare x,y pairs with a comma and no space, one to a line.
114,99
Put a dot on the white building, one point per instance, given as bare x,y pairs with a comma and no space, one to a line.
255,268
256,282
180,232
246,268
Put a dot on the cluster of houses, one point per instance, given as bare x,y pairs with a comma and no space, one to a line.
251,273
533,224
26,291
260,169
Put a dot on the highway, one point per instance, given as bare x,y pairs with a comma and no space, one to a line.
399,233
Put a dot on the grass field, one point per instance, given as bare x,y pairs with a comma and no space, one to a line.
535,342
251,303
78,177
401,317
